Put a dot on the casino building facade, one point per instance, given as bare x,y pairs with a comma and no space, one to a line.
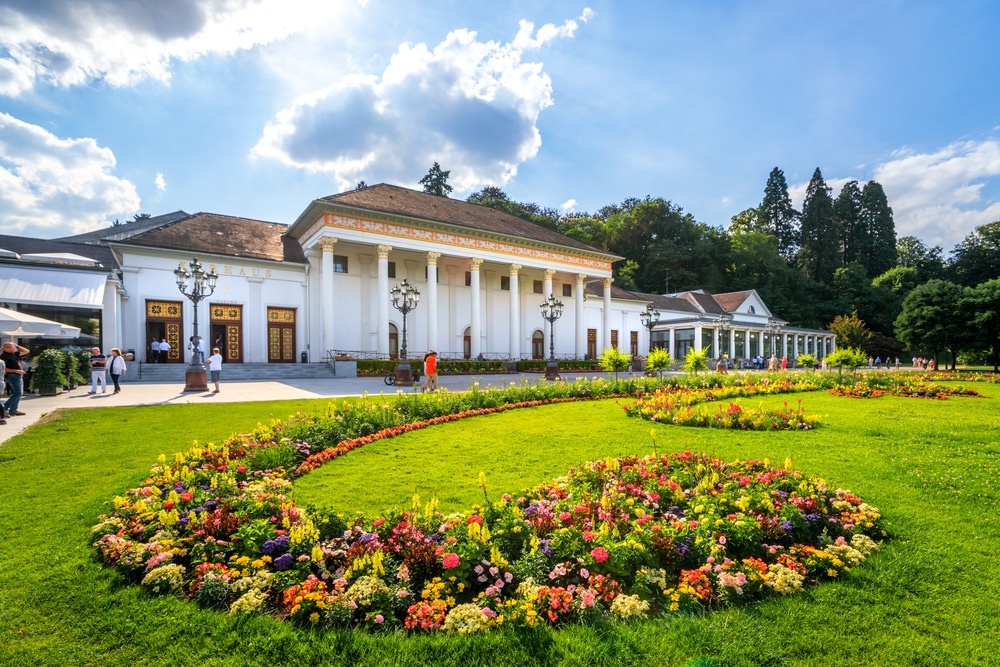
321,287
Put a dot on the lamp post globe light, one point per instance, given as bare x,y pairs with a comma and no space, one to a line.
724,322
773,326
649,318
552,310
202,285
405,298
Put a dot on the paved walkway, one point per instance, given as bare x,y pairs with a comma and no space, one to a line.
141,393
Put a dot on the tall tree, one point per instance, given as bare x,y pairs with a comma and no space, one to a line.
851,331
820,254
436,181
911,252
983,303
934,318
977,258
776,215
875,220
846,211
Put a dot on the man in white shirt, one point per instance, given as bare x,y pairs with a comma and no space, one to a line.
164,349
155,346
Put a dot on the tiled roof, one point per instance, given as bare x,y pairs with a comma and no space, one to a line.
704,301
395,200
224,235
26,246
659,301
732,300
126,230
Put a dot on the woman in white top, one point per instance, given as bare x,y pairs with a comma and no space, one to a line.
116,367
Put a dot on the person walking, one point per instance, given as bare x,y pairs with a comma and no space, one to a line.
116,367
164,350
431,371
215,367
14,376
98,367
155,356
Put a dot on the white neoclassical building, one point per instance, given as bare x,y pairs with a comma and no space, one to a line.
321,287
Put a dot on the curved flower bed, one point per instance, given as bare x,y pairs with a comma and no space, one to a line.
907,388
628,537
671,408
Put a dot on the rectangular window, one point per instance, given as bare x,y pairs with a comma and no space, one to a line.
392,269
536,287
591,343
468,278
567,290
633,343
614,338
505,283
340,263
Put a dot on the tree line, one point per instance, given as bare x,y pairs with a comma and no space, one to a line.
835,264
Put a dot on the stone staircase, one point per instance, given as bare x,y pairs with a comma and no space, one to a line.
163,373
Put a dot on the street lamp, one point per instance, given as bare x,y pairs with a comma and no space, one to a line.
724,322
552,311
201,287
773,326
649,318
405,298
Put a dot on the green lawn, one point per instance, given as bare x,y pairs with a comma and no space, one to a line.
930,597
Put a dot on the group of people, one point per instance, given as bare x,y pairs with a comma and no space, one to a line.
102,365
920,362
159,349
773,364
877,363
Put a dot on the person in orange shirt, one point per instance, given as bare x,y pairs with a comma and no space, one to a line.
431,371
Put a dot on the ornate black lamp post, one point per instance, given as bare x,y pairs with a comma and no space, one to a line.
724,322
552,310
649,318
773,326
405,298
200,288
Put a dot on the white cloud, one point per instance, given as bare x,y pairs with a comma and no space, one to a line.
160,182
55,187
469,105
568,206
72,42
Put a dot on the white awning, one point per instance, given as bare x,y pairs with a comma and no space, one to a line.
84,289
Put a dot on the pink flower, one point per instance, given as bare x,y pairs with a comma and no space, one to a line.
585,573
451,560
600,554
379,618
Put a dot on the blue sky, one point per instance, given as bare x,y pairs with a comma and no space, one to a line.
255,107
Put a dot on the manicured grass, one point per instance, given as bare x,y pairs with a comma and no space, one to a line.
930,597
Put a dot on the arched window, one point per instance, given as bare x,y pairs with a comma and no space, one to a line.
467,343
752,310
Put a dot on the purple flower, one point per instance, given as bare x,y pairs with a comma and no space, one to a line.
786,526
283,562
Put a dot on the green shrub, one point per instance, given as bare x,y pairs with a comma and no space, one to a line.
49,374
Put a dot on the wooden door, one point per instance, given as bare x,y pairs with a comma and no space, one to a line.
226,332
281,335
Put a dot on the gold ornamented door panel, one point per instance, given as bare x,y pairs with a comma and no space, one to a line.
164,319
227,331
281,335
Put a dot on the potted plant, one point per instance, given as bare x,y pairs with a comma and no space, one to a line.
49,378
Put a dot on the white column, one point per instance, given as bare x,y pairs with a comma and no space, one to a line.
760,344
732,344
382,298
326,294
432,300
515,313
109,316
833,344
474,346
716,338
581,322
697,338
607,312
546,292
795,345
670,342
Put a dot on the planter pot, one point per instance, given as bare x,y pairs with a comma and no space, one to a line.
49,391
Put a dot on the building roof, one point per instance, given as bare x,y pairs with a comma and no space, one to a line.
732,300
703,301
223,235
24,250
126,230
660,302
394,200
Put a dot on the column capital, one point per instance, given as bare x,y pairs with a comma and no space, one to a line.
327,243
514,268
549,273
607,282
580,278
475,262
432,258
383,251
